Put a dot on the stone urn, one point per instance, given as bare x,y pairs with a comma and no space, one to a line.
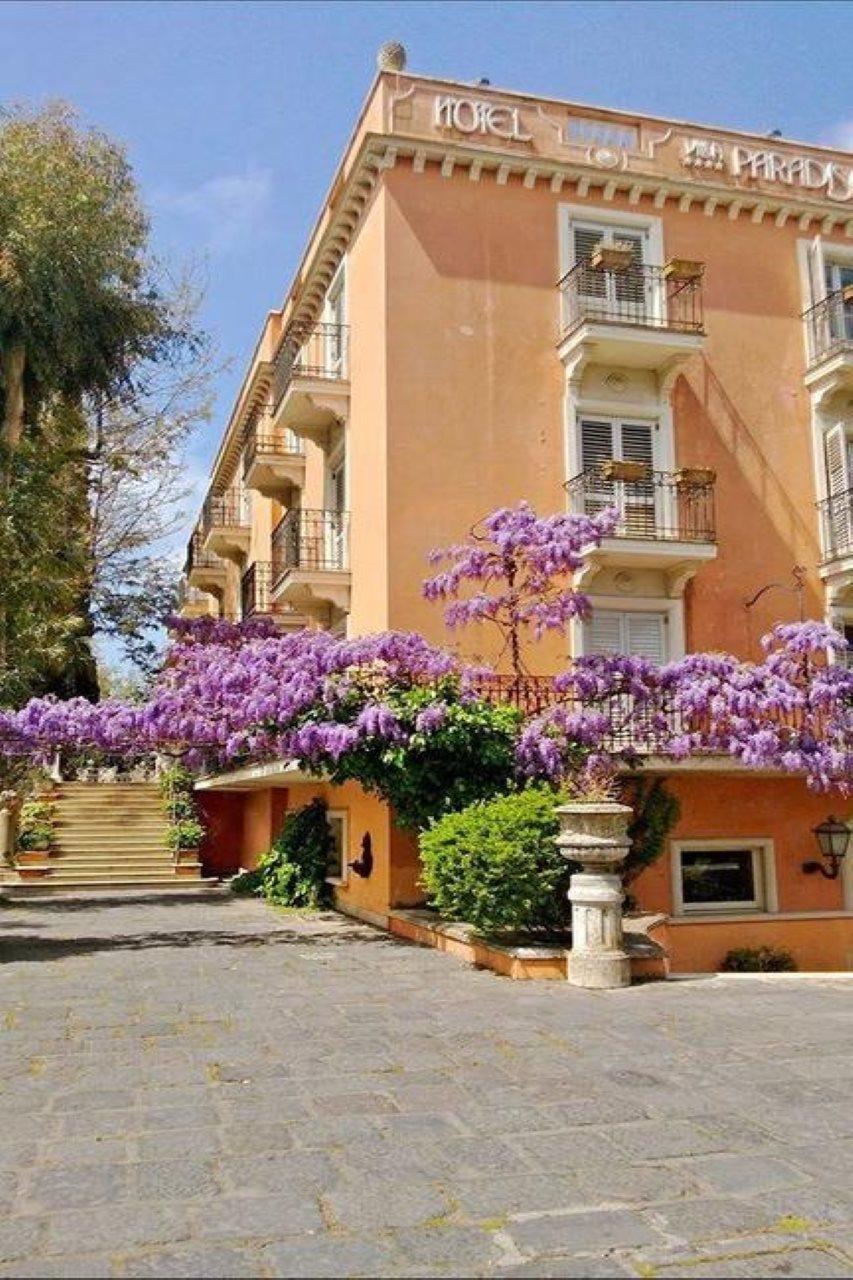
10,813
595,834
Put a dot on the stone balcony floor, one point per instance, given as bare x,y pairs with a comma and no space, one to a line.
214,1088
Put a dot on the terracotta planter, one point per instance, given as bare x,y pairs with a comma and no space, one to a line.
612,257
33,873
684,269
690,476
847,293
626,472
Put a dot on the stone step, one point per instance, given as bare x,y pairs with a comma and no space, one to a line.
71,890
156,840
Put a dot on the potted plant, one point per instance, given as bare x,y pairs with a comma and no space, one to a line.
626,472
694,477
684,270
36,827
185,838
618,256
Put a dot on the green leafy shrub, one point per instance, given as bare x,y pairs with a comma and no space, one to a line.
494,865
758,960
188,833
37,822
293,873
469,756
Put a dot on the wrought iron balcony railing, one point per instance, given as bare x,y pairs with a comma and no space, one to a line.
197,557
836,523
188,595
312,540
256,592
318,352
829,325
225,510
262,441
638,295
668,506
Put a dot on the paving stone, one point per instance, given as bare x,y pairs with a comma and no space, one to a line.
174,1144
742,1175
108,1228
563,1151
262,1217
212,1263
57,1151
72,1186
496,1197
185,1179
328,1256
616,1183
781,1262
577,1232
20,1237
568,1268
463,1250
384,1203
270,1171
651,1140
74,1267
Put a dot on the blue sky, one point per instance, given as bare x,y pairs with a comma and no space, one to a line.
235,114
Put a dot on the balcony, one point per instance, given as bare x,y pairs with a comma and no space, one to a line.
194,603
666,518
311,568
836,526
256,599
203,569
829,332
273,462
634,317
310,386
225,524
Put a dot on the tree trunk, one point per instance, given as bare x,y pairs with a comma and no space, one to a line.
12,364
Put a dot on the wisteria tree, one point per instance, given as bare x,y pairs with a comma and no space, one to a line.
520,568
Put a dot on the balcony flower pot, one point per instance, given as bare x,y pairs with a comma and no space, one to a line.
683,269
626,472
695,477
618,256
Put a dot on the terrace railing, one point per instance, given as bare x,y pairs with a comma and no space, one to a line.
829,325
641,295
311,540
318,352
836,522
262,441
226,510
197,557
659,505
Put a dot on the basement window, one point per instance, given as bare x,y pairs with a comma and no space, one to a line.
718,877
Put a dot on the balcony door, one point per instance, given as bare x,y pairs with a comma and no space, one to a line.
336,501
837,277
611,439
616,295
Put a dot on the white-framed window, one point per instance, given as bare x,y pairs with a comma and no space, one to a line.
723,876
638,501
614,294
337,870
639,633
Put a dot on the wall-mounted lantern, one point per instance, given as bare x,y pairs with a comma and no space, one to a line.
833,840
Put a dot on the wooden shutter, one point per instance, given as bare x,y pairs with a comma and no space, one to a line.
597,443
645,636
838,450
639,634
630,286
604,632
585,241
638,442
838,527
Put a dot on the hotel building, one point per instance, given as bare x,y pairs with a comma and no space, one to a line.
509,297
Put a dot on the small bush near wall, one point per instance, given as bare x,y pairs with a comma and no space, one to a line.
495,866
293,873
758,960
186,830
37,824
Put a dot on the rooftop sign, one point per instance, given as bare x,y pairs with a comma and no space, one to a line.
808,172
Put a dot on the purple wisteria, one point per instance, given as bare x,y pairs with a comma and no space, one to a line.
229,694
520,567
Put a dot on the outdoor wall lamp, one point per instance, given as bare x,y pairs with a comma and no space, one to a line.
833,840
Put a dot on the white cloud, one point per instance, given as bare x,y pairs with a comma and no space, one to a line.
230,208
841,135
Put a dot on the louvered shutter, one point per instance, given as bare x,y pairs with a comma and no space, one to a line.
629,286
592,284
597,446
637,503
644,635
839,464
603,633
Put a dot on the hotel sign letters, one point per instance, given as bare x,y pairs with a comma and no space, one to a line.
473,115
808,172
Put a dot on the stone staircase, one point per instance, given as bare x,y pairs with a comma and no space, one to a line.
109,836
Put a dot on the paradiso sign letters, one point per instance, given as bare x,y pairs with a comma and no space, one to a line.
473,115
806,172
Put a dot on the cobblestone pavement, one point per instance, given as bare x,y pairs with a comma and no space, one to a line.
217,1089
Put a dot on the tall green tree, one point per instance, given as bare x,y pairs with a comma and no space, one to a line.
88,328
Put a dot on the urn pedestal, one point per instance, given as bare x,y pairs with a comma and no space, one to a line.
595,834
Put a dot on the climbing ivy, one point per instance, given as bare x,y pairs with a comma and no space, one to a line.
293,873
656,813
